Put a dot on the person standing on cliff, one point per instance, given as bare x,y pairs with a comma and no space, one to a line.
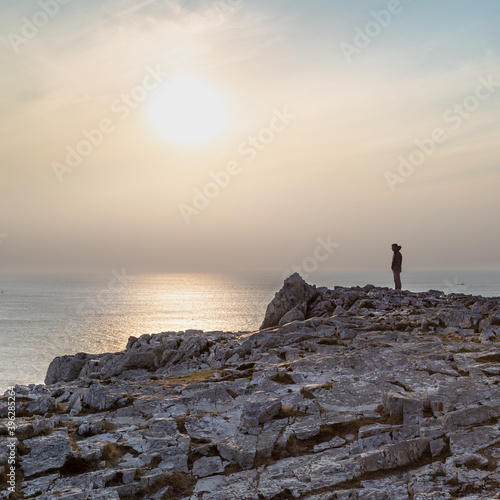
397,265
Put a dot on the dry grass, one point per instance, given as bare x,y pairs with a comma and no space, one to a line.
466,350
283,379
108,426
307,394
489,358
112,453
188,378
4,485
293,448
386,419
450,338
75,466
181,424
328,341
3,479
289,412
179,486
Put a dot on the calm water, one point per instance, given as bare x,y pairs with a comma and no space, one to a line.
46,316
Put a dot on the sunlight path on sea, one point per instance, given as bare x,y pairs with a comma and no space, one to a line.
42,317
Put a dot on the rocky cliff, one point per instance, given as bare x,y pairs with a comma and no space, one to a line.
351,393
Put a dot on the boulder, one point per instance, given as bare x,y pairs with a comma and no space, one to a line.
298,313
409,406
470,441
46,453
91,428
41,406
255,413
96,399
66,368
394,455
295,292
240,450
460,318
209,427
143,358
207,466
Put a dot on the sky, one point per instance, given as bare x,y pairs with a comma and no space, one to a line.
247,135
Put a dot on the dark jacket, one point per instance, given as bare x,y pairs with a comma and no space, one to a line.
397,261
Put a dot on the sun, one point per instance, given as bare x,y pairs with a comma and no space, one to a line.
188,111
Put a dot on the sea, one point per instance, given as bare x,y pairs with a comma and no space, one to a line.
44,316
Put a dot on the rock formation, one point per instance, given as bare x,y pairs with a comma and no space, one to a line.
290,301
366,393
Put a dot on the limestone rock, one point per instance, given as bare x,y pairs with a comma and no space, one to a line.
46,453
41,406
240,450
409,406
91,428
295,291
207,466
396,455
460,318
470,441
255,413
298,313
66,368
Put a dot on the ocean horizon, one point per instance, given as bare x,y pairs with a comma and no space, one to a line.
44,316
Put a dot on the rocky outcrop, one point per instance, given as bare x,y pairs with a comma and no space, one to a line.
373,394
294,294
66,368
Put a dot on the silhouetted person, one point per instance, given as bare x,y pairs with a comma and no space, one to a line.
397,265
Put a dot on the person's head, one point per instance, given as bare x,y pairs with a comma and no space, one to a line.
395,247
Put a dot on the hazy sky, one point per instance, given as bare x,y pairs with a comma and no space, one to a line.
360,122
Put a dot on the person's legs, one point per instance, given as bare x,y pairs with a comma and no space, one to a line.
397,280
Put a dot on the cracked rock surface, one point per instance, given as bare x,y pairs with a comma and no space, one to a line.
375,394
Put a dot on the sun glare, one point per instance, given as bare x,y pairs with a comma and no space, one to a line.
187,111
